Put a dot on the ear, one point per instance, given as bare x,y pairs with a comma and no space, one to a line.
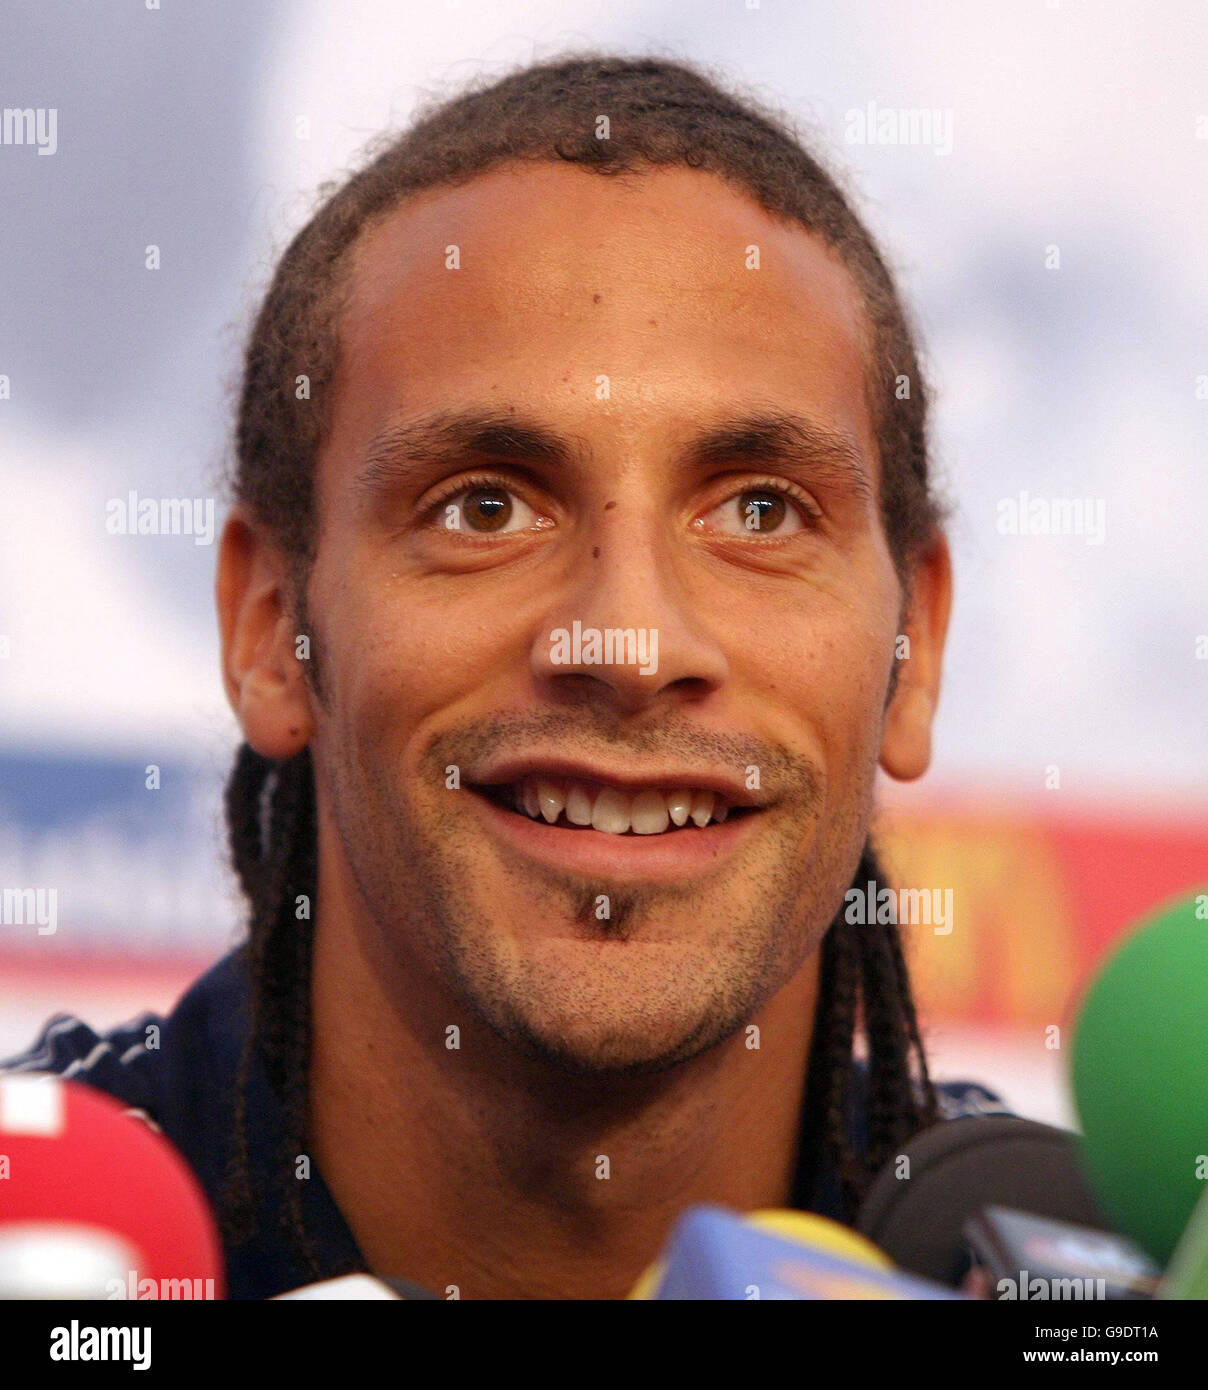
263,677
906,736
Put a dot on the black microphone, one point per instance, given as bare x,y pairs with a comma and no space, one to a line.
918,1204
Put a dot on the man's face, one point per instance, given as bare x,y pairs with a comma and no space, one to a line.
649,425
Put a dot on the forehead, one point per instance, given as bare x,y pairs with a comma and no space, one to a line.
529,283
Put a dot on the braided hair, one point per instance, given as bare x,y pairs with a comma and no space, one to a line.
271,825
661,113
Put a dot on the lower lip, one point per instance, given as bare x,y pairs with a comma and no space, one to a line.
666,856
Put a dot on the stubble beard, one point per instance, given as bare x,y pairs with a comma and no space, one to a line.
627,996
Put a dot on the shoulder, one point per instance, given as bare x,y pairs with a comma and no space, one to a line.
144,1061
117,1062
954,1100
957,1100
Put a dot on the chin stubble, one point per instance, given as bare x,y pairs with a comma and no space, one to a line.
421,882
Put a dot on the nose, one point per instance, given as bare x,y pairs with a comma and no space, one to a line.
626,633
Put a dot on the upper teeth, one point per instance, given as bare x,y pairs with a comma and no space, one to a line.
646,812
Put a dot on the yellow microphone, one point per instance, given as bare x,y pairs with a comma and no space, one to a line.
805,1230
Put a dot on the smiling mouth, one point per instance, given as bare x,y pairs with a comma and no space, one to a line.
578,804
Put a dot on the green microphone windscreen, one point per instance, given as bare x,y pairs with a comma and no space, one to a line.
1140,1076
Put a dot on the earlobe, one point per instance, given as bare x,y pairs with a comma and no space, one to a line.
263,677
906,739
906,734
274,706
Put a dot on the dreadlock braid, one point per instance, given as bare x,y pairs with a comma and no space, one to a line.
892,1035
863,981
279,874
826,1117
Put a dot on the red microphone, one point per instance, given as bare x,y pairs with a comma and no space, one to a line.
94,1203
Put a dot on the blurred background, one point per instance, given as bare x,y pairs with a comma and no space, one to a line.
1038,174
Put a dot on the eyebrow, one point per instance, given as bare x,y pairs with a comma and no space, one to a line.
764,437
449,436
782,437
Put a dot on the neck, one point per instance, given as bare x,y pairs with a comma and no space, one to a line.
479,1169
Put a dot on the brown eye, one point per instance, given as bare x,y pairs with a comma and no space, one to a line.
487,508
761,511
756,512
